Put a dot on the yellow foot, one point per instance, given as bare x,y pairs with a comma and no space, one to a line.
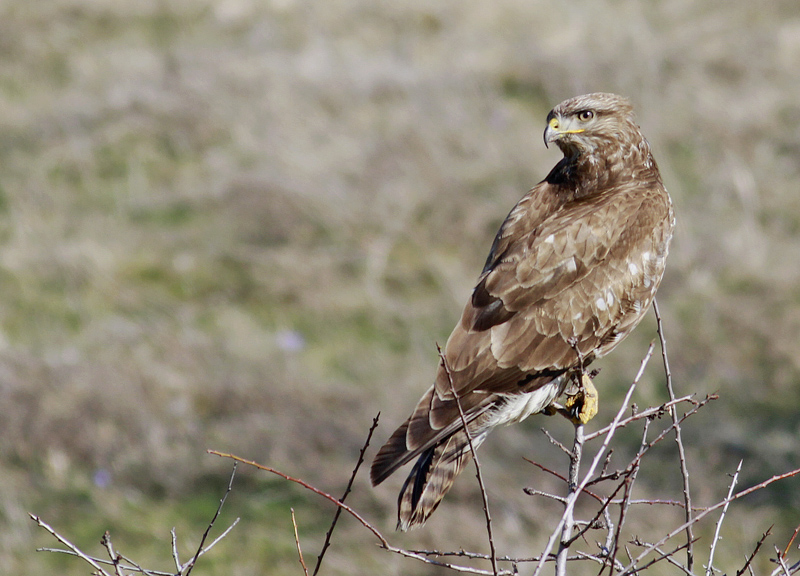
582,406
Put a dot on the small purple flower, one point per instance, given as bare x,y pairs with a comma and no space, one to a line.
102,478
290,340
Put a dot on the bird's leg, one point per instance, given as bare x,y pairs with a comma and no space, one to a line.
582,400
582,406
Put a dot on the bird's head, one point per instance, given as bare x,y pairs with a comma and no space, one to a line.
585,123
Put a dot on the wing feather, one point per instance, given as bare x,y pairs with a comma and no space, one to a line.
553,287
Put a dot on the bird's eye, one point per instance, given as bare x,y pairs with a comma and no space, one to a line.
585,115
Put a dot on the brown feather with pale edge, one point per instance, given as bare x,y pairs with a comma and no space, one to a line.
571,272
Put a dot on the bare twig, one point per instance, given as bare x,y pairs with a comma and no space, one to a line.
133,566
220,537
74,549
557,475
710,567
670,557
610,536
307,486
657,439
749,559
643,447
631,567
115,558
789,543
454,567
175,556
556,443
656,502
346,492
649,413
607,462
666,556
297,543
595,463
384,543
783,567
634,464
626,496
566,530
602,511
534,492
118,560
678,440
138,568
466,554
484,496
187,569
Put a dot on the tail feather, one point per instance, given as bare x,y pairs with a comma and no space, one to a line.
416,435
391,456
443,451
431,478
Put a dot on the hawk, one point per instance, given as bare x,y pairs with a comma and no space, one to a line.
571,272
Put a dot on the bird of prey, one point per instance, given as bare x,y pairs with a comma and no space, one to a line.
572,271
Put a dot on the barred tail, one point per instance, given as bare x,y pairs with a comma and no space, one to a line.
444,450
431,478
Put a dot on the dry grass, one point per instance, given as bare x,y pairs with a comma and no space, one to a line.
243,225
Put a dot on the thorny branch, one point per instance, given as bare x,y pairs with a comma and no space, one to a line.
655,411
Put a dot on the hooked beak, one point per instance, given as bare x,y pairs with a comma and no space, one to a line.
556,130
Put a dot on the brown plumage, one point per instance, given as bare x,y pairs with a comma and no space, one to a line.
570,274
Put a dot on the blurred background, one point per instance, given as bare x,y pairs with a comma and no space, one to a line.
244,225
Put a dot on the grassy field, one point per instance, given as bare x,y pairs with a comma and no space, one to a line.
244,225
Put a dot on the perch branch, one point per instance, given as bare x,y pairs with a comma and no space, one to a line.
568,522
598,457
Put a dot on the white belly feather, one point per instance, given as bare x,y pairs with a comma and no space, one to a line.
520,406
